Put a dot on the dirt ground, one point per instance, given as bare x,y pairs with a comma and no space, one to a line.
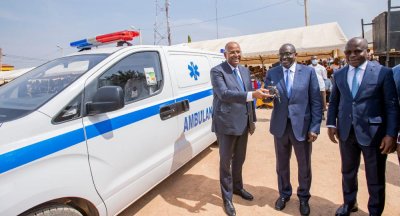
194,189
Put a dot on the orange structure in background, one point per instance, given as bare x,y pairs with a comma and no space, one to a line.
6,67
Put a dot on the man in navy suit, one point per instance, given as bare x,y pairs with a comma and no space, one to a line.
233,118
295,122
362,115
396,76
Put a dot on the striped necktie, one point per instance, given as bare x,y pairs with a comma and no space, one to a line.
238,79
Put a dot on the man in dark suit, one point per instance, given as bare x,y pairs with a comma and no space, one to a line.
295,122
363,115
233,118
396,76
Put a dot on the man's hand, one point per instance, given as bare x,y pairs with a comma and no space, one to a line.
388,145
262,93
333,134
312,137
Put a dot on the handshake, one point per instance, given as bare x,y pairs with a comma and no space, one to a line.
267,94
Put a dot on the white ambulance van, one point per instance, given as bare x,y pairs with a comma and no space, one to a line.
90,133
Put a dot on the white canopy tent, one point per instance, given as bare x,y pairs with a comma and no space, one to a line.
10,75
323,40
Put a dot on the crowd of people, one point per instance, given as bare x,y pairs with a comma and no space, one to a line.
362,117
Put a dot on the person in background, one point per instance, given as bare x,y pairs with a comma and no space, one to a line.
370,55
232,120
335,66
363,115
322,76
328,86
295,123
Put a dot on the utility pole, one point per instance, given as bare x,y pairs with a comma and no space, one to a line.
388,34
155,25
305,12
168,28
158,37
140,37
216,15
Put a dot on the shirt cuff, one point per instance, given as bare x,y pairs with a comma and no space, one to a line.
331,126
398,138
249,96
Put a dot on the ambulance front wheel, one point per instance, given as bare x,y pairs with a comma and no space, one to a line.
56,210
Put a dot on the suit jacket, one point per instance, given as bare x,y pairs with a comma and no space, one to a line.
230,109
304,107
374,110
396,76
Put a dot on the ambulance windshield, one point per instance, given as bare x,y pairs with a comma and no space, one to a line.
31,90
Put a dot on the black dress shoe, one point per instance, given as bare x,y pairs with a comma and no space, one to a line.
229,209
346,209
304,208
244,194
281,203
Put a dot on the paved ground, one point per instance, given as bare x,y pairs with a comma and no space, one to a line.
194,189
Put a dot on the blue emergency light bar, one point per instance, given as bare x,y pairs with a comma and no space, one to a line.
80,43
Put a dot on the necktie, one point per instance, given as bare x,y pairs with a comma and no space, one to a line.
354,84
238,79
287,82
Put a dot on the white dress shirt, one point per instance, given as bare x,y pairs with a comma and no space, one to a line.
360,74
292,69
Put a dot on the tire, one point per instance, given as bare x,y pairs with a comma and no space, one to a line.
56,210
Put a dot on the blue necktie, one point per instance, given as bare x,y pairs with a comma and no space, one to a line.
238,79
354,84
287,82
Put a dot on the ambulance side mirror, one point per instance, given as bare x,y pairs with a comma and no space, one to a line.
106,99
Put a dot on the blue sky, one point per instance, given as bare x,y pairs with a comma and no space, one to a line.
34,31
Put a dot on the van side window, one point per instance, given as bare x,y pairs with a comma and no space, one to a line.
139,75
71,111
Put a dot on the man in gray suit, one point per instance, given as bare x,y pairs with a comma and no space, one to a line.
363,115
295,122
233,118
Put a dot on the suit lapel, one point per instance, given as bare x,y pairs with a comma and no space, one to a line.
231,76
369,77
281,78
298,76
244,77
344,81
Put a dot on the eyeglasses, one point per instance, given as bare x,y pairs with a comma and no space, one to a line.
356,52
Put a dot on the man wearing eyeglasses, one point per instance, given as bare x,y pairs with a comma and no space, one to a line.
295,123
362,115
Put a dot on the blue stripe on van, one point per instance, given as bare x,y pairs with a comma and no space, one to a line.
27,154
19,157
123,120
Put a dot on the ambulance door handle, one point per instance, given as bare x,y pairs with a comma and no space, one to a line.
182,106
167,112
